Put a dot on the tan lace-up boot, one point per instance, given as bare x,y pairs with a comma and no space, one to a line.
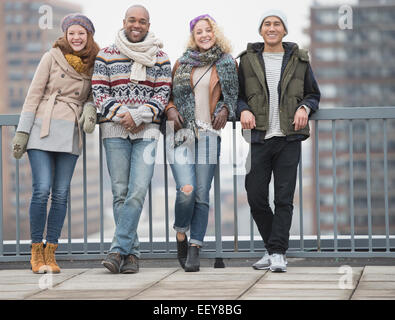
37,259
49,256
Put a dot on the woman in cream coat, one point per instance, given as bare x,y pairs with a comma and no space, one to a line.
50,128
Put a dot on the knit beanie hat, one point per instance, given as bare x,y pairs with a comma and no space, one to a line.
194,21
274,13
80,19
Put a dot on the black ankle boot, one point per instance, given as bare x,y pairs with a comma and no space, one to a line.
182,251
193,260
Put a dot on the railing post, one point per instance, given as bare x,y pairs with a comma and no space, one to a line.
1,193
235,218
101,192
85,200
317,183
218,235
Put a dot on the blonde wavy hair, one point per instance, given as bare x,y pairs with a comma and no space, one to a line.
221,40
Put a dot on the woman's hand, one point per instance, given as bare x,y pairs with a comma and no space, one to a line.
173,115
220,120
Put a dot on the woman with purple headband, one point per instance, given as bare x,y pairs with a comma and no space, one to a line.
204,97
50,128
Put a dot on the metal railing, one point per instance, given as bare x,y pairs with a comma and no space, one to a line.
322,243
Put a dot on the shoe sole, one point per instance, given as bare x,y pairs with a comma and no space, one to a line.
279,270
129,271
261,268
110,267
39,272
42,270
191,269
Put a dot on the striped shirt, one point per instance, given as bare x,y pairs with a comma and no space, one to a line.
273,63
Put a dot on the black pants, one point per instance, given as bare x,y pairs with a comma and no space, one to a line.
280,157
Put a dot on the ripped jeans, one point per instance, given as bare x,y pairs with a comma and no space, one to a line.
193,168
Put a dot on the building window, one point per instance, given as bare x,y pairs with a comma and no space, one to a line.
33,62
328,90
35,6
330,54
328,17
9,19
18,5
18,19
16,62
30,75
15,75
16,104
15,48
33,47
9,5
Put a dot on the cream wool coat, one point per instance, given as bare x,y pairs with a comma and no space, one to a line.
53,105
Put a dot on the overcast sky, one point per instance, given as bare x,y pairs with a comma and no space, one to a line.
239,19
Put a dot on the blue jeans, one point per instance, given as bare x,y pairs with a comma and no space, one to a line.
51,173
131,166
194,166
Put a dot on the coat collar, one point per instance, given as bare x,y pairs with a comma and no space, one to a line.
57,54
257,47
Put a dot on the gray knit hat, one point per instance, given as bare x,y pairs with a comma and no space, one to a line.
274,13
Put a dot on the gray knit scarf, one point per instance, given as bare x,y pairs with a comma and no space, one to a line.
183,95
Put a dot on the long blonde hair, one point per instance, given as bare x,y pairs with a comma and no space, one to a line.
221,40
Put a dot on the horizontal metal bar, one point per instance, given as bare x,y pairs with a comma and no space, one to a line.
353,113
225,255
9,119
348,113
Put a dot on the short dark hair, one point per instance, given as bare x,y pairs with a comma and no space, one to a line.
138,6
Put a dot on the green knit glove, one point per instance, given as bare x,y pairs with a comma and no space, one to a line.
88,118
19,144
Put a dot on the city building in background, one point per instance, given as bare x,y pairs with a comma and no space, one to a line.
23,41
354,63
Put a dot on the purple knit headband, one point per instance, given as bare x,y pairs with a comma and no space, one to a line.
80,19
197,19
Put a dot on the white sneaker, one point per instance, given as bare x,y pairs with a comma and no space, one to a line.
278,263
262,264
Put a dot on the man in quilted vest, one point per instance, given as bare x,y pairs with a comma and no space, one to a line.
278,92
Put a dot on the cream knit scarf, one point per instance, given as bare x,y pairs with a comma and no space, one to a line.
142,53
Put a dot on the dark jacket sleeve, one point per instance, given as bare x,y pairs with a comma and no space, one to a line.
312,93
242,100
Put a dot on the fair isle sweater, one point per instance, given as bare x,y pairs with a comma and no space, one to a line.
114,93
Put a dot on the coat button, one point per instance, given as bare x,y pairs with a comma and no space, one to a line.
63,75
59,91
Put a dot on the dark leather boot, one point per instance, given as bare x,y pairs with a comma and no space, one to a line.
182,251
193,260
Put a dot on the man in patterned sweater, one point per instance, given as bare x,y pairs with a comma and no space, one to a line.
131,87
